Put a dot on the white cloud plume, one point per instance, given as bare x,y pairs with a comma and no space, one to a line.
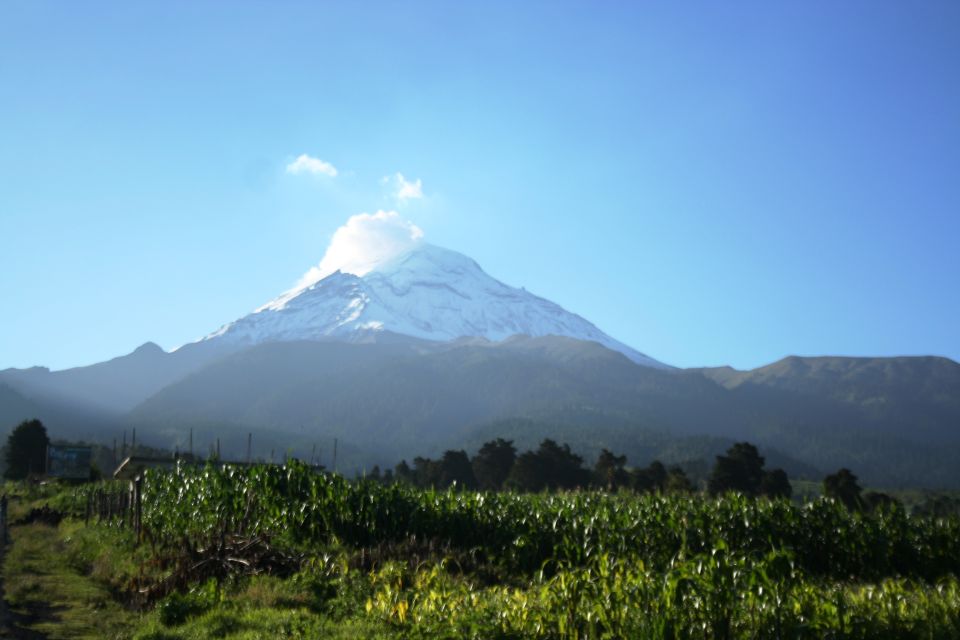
405,189
315,166
365,241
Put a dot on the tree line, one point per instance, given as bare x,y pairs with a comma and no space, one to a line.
553,466
498,466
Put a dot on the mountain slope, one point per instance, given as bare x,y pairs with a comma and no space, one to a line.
915,397
411,393
429,293
115,385
14,408
407,397
63,419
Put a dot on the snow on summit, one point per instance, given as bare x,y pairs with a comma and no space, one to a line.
379,275
364,242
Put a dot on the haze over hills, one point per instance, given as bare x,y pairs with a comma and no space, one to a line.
413,349
114,386
403,399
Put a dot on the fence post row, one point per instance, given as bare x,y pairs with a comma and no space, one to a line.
124,507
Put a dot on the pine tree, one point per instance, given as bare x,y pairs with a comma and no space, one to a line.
740,470
493,462
26,450
843,486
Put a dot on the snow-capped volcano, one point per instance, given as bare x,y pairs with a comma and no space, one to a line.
426,292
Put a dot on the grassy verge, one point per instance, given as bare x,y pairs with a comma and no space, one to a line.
46,594
239,619
60,582
67,581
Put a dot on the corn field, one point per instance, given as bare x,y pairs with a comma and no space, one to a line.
583,565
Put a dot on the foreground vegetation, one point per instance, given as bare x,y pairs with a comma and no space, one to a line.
270,551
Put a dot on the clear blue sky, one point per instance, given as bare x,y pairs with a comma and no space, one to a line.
711,183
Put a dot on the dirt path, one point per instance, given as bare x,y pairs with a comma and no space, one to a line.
15,626
12,624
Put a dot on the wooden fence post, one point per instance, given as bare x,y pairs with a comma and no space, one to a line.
131,499
138,507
